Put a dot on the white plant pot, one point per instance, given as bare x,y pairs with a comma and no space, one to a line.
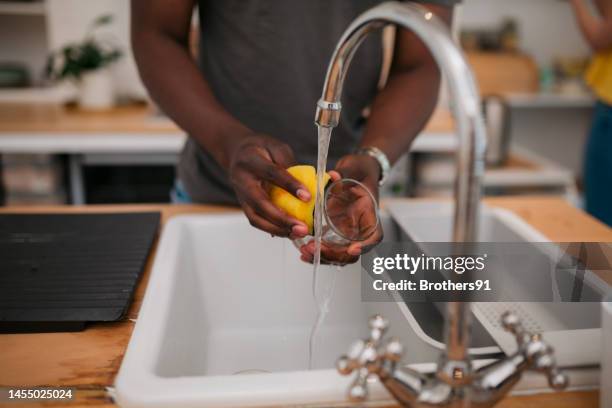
96,90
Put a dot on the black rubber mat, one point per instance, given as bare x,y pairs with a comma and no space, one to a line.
60,271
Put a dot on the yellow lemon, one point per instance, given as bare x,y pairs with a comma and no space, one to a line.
303,211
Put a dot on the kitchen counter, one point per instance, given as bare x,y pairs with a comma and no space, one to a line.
89,360
50,128
46,128
124,136
135,135
40,128
51,118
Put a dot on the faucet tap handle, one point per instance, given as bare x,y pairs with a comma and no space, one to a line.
539,355
394,350
368,357
363,358
358,390
378,328
512,324
543,360
349,362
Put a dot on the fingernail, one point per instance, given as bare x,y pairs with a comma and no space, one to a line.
303,195
299,230
354,251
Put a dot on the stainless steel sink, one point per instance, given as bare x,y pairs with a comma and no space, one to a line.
563,324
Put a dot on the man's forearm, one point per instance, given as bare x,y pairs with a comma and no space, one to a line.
402,109
177,85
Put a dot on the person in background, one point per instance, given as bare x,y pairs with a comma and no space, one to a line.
248,106
2,193
597,30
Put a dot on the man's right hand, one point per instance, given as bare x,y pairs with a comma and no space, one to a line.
256,162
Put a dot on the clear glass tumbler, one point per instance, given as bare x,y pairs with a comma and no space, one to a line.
350,214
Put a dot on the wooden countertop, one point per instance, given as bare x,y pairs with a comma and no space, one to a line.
48,118
135,129
51,128
89,360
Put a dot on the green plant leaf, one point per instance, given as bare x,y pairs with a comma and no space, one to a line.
76,58
103,20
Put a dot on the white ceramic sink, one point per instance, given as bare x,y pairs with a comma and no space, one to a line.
228,310
225,302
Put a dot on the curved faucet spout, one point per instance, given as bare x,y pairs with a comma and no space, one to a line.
455,368
462,86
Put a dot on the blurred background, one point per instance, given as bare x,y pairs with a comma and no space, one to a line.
101,140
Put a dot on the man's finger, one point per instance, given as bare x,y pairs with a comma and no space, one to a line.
282,155
281,177
330,255
337,255
262,205
334,175
372,241
261,223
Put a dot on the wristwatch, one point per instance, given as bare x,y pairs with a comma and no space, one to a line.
381,158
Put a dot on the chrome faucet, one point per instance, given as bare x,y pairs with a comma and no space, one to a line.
481,388
455,382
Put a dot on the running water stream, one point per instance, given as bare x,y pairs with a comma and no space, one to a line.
323,297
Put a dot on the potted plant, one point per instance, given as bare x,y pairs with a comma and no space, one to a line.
87,64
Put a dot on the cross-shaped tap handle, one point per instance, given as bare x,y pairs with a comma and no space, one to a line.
539,354
368,356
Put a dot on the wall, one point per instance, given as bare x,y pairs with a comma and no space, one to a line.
547,30
547,27
68,20
24,41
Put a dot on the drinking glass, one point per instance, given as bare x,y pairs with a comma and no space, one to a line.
350,214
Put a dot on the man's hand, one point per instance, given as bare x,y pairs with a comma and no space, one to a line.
256,162
366,170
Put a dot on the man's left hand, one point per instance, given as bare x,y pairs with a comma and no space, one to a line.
366,170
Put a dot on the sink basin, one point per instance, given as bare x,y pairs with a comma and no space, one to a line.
563,325
226,320
228,310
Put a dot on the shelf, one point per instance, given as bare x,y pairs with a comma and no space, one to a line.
550,100
37,95
33,8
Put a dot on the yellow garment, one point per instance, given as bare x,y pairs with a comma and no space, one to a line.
599,76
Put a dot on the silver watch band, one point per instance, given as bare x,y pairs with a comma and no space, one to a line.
381,158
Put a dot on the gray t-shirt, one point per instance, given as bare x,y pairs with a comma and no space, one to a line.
265,61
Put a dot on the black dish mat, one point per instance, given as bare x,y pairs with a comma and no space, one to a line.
59,271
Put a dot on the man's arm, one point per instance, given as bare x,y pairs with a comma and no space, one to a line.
596,30
403,107
160,33
401,110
